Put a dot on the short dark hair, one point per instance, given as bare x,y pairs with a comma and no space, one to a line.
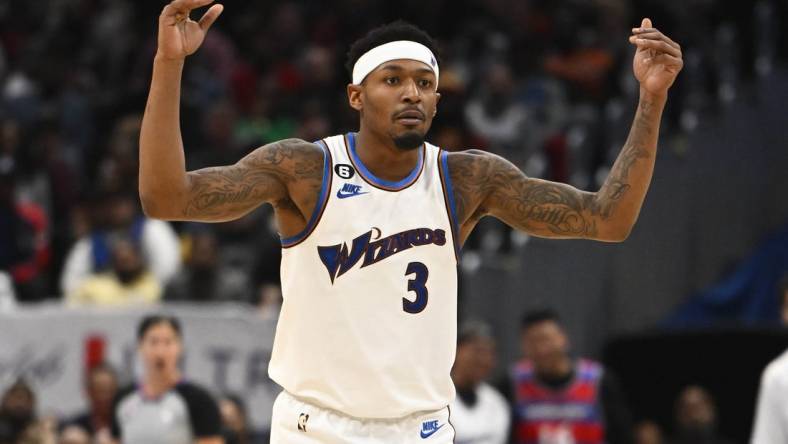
102,367
151,320
20,385
534,317
390,32
473,329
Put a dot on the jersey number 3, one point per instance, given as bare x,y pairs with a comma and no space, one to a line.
416,285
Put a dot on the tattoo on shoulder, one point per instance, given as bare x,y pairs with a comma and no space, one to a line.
261,176
468,171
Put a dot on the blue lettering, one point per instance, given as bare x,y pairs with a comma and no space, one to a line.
338,259
440,237
429,426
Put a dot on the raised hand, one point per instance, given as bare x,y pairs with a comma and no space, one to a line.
657,59
180,36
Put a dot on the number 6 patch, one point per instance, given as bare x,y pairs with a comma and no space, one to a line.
344,170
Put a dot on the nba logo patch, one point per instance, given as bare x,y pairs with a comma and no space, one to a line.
302,419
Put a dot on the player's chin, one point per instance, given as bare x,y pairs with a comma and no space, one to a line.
409,139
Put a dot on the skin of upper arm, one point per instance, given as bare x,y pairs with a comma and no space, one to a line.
273,173
488,185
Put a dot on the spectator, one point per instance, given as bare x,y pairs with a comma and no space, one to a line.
496,116
558,398
17,412
648,432
119,167
128,283
42,431
101,386
479,414
696,418
203,279
163,408
270,301
771,422
24,250
235,424
118,215
73,434
783,294
83,74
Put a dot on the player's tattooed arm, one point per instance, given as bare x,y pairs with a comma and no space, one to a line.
486,184
269,174
489,185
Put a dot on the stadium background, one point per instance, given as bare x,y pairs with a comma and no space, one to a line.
547,84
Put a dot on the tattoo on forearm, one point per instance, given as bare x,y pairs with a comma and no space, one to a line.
261,176
216,191
486,184
618,183
553,207
525,204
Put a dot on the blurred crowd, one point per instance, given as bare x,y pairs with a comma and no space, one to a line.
549,396
544,83
20,423
547,84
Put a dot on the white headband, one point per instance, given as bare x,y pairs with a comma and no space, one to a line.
401,49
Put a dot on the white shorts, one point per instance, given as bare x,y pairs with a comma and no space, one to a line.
297,422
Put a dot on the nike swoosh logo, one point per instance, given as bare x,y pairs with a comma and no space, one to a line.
342,195
425,435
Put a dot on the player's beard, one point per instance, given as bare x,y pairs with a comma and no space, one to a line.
408,141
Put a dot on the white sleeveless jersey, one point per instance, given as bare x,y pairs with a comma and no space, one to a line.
368,322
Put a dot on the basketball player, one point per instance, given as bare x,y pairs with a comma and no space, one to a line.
371,223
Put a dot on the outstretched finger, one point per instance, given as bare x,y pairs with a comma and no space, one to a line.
210,16
657,45
646,23
188,5
655,35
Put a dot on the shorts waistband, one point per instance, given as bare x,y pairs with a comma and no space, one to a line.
310,404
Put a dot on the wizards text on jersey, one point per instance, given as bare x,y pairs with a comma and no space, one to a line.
338,259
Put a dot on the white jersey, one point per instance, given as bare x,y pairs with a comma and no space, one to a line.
368,322
486,422
771,415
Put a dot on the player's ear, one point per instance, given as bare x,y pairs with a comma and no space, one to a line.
354,96
437,99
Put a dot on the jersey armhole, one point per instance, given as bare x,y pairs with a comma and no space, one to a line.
116,428
322,200
448,199
204,417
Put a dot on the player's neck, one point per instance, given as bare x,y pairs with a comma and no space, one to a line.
463,381
383,158
101,418
158,384
559,373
